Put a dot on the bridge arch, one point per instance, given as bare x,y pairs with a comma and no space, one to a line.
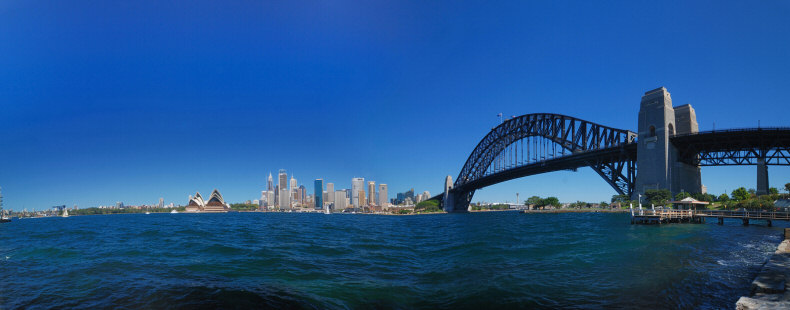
579,138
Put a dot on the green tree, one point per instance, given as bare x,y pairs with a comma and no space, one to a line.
534,200
658,197
551,201
741,194
603,204
773,191
787,187
682,195
430,205
724,197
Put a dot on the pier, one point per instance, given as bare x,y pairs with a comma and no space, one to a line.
664,216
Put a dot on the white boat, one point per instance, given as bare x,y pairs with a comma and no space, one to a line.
147,212
174,211
65,212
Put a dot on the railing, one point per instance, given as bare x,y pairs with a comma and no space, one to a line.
680,214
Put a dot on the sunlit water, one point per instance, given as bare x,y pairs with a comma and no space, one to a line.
482,260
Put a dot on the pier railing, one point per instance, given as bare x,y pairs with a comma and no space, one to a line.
744,214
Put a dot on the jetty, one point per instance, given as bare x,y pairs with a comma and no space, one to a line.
664,216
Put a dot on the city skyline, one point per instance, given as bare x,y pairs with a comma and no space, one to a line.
163,101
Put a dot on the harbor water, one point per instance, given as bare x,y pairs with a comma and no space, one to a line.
289,260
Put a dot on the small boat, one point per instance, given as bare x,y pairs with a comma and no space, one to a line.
65,212
174,211
147,212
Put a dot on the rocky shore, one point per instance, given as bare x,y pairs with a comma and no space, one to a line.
769,289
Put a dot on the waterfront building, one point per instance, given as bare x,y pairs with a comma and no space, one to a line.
215,203
383,195
319,194
330,188
426,195
340,200
283,195
357,185
371,193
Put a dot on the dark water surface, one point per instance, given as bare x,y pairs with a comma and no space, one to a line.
482,260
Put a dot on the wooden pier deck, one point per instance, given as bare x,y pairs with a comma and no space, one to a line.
699,216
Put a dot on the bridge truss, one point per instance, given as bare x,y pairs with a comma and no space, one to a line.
735,147
537,143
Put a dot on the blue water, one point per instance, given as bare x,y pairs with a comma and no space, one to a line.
481,260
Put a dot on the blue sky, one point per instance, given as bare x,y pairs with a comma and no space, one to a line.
106,101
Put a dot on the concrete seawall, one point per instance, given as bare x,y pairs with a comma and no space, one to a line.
769,289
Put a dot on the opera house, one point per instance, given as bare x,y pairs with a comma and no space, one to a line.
215,203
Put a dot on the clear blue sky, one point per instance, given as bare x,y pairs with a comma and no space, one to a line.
105,101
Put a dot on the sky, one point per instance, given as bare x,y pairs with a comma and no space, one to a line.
105,101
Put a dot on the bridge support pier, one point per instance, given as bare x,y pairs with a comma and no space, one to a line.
721,221
769,222
745,221
762,177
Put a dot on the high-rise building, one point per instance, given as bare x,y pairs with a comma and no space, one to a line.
362,198
294,185
371,193
340,200
357,184
383,202
270,199
330,188
302,195
319,194
283,195
270,183
161,202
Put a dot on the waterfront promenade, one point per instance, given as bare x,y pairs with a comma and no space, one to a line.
664,216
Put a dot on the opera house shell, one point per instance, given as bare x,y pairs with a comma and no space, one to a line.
215,203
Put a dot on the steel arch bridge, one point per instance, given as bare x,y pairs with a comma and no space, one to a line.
537,143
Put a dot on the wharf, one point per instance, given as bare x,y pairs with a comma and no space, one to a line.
699,216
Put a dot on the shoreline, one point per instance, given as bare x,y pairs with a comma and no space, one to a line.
769,288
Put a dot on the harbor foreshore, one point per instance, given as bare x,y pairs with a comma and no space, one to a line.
769,288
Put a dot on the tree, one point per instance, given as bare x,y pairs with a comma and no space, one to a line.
534,200
741,194
724,197
603,204
773,191
787,187
682,195
551,201
752,191
658,197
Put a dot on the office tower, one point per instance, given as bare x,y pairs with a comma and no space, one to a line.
283,195
383,195
270,199
330,188
340,200
294,185
282,179
270,183
371,193
362,199
302,196
426,195
357,184
319,194
161,202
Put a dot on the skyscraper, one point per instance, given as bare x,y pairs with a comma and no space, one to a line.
319,194
357,184
371,193
161,202
340,200
383,202
270,183
283,195
330,188
362,198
